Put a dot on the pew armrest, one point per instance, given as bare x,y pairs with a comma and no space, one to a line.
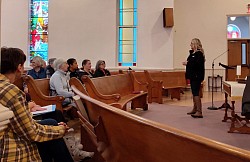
39,97
92,91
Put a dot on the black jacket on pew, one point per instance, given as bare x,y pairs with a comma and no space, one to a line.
246,100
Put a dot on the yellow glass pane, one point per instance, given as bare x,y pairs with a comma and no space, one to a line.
127,48
128,4
127,58
128,18
127,34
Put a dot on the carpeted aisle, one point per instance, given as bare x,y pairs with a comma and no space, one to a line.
211,126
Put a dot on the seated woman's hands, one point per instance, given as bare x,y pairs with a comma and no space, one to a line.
34,107
64,125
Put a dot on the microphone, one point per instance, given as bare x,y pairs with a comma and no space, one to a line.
212,107
226,67
221,54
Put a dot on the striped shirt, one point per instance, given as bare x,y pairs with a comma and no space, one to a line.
17,142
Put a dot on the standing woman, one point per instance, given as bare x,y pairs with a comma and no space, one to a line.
100,70
195,72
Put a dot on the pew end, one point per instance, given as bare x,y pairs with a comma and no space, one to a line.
39,90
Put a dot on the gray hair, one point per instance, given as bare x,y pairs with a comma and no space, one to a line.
39,60
58,63
98,64
51,61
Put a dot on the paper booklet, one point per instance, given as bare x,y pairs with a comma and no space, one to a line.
49,108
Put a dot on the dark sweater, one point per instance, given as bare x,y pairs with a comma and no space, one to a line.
195,68
100,73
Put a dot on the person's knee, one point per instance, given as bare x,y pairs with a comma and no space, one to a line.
48,122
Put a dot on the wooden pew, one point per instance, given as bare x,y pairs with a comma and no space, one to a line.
39,91
117,90
88,137
123,137
160,81
172,82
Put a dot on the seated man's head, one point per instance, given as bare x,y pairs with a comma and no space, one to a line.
12,62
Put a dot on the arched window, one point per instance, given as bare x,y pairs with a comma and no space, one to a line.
127,45
38,29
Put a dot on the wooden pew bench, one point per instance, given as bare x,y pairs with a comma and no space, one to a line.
160,81
117,91
39,91
124,137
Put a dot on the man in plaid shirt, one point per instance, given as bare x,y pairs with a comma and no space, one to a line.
18,141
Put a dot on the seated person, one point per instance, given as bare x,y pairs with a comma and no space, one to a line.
50,68
246,100
38,72
100,70
18,142
86,68
56,115
73,68
59,82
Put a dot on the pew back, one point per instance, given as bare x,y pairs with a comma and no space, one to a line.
105,85
117,90
123,137
39,91
170,79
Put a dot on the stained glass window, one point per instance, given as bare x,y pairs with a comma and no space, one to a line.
127,45
39,29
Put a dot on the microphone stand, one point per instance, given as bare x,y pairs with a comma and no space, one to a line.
212,107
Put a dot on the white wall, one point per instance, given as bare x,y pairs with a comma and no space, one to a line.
14,24
204,19
87,29
83,29
155,43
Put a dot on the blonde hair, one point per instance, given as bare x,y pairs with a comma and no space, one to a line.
197,44
39,60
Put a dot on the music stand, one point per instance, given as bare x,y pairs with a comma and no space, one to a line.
225,105
212,107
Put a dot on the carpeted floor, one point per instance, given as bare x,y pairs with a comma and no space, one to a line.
211,126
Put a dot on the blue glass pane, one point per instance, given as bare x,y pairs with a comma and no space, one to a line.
39,28
127,64
131,44
243,53
120,46
135,45
39,8
121,13
42,54
135,13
